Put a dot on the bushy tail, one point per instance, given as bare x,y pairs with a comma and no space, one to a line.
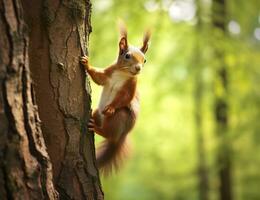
110,155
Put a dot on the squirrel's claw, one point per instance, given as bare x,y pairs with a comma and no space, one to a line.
84,60
91,125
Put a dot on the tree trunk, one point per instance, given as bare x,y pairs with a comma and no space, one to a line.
25,168
203,185
221,104
59,33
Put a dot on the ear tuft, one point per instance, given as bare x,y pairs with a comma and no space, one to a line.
122,28
146,39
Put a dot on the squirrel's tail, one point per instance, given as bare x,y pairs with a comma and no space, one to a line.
111,154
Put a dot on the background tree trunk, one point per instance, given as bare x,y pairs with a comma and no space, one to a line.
203,179
25,168
219,17
58,35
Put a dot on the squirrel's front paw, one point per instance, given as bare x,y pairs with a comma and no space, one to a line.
92,125
108,111
84,61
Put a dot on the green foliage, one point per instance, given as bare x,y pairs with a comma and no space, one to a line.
165,159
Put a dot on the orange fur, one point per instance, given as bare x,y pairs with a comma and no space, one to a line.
125,94
99,77
119,102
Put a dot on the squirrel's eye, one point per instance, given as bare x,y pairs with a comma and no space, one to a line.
144,60
127,56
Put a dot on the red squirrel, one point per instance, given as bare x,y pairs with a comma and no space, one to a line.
119,102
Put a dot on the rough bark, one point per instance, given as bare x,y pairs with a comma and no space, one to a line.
219,17
25,168
59,33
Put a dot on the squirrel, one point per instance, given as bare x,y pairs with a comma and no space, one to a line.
118,108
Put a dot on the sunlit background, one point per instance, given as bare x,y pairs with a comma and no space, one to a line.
202,54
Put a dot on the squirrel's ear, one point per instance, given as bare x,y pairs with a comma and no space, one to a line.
123,46
146,39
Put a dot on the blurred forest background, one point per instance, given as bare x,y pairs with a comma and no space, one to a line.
198,134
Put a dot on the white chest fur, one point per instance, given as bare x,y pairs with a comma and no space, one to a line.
114,84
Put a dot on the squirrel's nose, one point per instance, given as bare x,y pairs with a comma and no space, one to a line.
137,68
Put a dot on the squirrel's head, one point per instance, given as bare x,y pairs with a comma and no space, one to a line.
131,59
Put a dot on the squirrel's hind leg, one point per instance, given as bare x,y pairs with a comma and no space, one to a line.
95,123
92,126
118,124
114,126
